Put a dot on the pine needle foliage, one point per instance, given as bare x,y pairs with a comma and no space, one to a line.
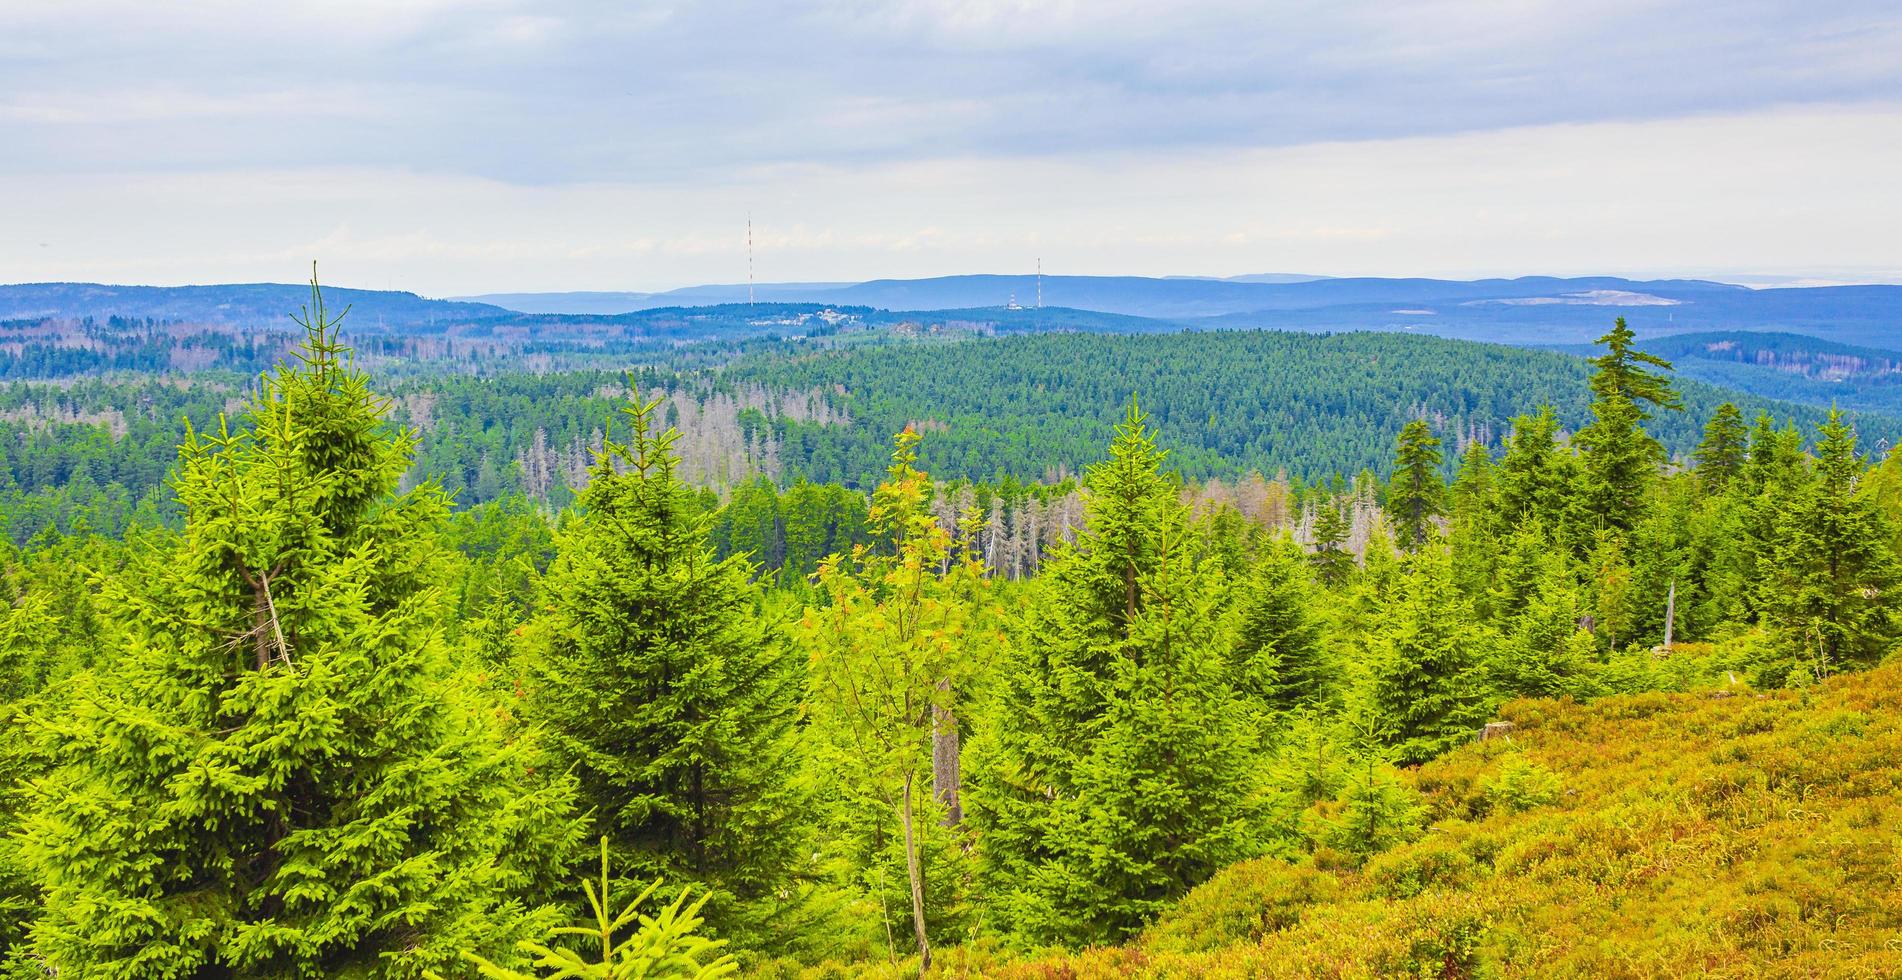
1830,585
1426,690
1279,655
1333,563
1720,455
1537,478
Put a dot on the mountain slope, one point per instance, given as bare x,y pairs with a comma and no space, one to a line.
1722,833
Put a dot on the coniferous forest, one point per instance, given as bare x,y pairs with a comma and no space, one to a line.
1587,671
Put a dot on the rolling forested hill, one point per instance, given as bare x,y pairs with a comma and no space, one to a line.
1789,366
1528,310
1815,346
240,304
1230,401
1029,408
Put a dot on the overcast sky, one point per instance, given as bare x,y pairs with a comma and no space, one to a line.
464,146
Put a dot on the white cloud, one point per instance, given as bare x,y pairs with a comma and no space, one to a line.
1806,191
574,90
469,145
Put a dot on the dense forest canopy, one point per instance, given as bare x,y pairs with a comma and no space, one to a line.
94,452
944,656
1230,401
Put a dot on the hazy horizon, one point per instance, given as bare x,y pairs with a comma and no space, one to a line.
1748,280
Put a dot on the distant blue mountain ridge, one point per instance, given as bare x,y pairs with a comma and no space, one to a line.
241,304
1534,310
1175,297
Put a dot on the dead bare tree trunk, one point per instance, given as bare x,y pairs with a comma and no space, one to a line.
916,872
944,758
1670,614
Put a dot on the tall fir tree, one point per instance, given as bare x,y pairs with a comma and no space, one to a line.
1425,690
1720,455
1613,603
1120,766
1538,477
1775,460
1476,530
275,777
1332,561
1543,652
1522,567
1884,483
665,691
1279,656
1621,458
1474,484
1835,575
1773,475
1417,493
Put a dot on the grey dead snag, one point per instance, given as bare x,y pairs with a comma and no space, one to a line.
1670,614
1496,729
944,759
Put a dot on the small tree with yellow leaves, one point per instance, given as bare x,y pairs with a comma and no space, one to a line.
903,627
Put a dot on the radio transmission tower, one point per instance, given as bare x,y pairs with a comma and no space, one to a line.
749,260
1040,284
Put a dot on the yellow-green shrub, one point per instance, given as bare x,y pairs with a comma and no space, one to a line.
1723,833
1242,904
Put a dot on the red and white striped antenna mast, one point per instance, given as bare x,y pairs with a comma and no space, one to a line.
749,259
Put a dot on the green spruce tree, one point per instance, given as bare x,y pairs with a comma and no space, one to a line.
1621,458
1417,493
1475,529
1279,657
1538,477
1720,456
1772,474
1333,563
1544,653
1425,692
1835,575
1120,768
275,777
665,691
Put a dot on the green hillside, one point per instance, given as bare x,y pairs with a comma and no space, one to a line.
1720,833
